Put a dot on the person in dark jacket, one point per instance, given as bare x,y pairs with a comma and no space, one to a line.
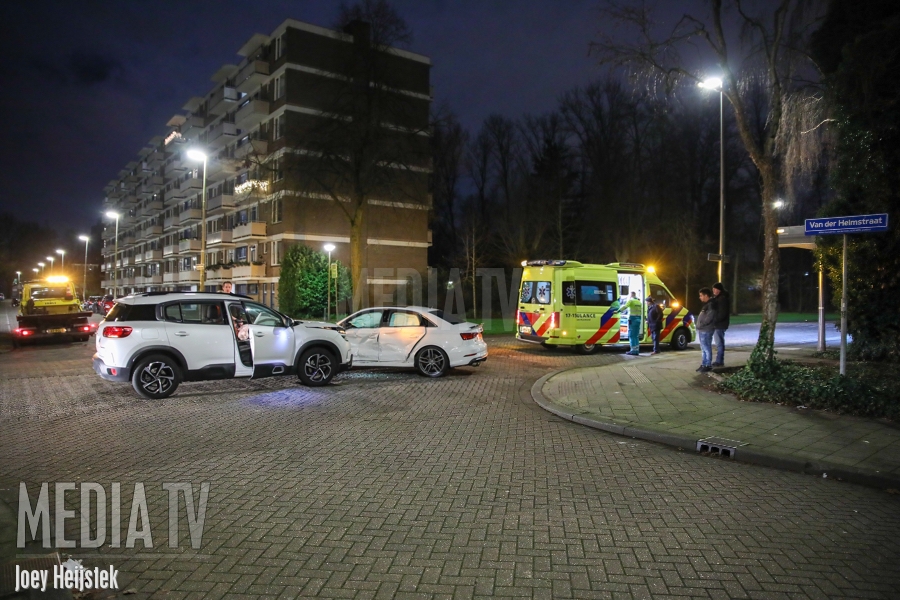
654,322
706,324
721,304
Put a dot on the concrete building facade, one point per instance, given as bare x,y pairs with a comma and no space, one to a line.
254,126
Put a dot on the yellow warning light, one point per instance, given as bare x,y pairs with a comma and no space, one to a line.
57,279
651,269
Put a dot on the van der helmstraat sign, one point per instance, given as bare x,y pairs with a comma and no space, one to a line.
851,224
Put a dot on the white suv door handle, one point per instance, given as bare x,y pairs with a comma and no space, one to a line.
259,334
181,333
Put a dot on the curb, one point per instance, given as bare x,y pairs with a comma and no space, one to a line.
755,457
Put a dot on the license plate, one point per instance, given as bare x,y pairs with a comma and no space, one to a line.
61,330
525,329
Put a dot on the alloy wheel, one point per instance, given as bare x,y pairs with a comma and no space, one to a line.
157,378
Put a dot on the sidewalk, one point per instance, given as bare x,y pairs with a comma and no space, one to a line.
662,399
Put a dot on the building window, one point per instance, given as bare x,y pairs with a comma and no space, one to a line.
240,254
279,128
279,89
280,45
276,211
276,252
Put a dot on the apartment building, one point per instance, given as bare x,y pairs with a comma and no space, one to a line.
250,125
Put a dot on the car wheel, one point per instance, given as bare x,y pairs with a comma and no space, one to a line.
587,348
680,339
316,367
432,362
156,377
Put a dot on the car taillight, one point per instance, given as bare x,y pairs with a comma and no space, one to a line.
116,331
468,336
23,332
84,328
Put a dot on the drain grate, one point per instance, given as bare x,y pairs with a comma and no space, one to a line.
636,375
721,446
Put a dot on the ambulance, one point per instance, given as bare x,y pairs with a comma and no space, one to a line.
567,303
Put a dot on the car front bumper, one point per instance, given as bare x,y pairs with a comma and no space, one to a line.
108,372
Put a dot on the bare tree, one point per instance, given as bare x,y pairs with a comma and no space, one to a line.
372,139
448,144
772,50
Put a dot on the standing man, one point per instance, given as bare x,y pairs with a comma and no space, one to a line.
227,287
720,301
654,322
634,324
706,325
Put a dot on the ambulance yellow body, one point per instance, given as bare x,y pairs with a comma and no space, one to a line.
567,303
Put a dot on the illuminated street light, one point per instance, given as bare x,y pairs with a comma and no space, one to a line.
114,215
86,241
51,259
198,155
41,265
62,265
329,248
778,204
715,84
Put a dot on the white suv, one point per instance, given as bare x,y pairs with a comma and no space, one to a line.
156,340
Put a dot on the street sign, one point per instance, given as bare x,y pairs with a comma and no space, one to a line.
851,224
718,257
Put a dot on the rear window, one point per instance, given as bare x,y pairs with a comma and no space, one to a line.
447,317
536,292
46,293
132,312
595,293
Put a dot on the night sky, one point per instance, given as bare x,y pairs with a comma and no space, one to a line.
89,83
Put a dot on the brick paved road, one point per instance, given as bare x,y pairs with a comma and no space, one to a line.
390,485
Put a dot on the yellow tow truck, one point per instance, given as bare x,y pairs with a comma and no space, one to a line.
48,308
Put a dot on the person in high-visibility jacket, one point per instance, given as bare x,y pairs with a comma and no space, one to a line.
634,307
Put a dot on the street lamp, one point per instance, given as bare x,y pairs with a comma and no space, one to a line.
114,215
51,259
86,241
41,265
201,156
329,248
62,265
35,270
714,83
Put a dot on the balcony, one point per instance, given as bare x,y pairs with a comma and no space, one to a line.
194,184
223,100
150,208
153,255
156,158
249,272
253,74
189,216
127,239
126,281
219,274
170,250
193,127
189,246
129,199
171,222
138,258
252,147
189,276
219,238
219,204
127,260
218,170
153,280
251,114
150,231
170,277
221,134
249,231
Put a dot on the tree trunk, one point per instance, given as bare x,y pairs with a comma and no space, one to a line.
358,244
770,257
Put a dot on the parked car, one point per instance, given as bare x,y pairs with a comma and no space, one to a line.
414,336
156,340
104,304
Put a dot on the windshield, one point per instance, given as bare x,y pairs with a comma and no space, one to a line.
449,318
42,293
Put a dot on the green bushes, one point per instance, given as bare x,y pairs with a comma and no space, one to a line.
303,280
